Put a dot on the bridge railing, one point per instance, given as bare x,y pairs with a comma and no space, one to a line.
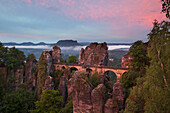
88,66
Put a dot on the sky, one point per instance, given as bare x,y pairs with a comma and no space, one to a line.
117,21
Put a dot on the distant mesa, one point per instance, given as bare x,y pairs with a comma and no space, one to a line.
68,43
60,43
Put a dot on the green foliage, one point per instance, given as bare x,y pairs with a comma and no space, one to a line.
138,52
3,52
129,79
72,59
14,58
63,61
56,76
50,102
68,108
157,91
30,57
152,93
94,80
20,101
42,69
135,102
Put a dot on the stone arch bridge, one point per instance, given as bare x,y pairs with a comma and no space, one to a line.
100,69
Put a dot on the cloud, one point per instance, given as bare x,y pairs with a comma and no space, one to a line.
110,20
120,15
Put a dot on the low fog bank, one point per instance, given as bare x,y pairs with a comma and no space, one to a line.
72,48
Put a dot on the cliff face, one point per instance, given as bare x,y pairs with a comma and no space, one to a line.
30,74
68,43
94,54
87,100
126,61
56,54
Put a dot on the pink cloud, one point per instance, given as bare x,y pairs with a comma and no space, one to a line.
116,13
128,10
28,1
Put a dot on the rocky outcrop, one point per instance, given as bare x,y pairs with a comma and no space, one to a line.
63,89
111,106
52,57
49,84
98,97
115,104
48,58
18,75
30,71
118,94
56,54
126,59
81,94
94,54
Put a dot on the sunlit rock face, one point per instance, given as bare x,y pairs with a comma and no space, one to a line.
81,94
111,106
94,54
52,57
118,94
49,83
98,96
56,54
48,58
126,61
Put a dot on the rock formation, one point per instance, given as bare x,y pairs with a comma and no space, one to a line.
49,84
98,96
118,94
111,106
126,61
63,89
30,70
56,54
94,54
81,95
48,58
115,104
52,57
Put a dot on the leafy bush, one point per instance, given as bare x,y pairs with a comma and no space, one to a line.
50,102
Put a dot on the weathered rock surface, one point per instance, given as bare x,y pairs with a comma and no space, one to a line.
126,59
48,57
18,75
98,96
56,54
111,106
30,78
94,54
118,94
81,94
49,84
63,89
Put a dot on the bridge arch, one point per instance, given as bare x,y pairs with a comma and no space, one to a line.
73,69
63,67
89,70
112,75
